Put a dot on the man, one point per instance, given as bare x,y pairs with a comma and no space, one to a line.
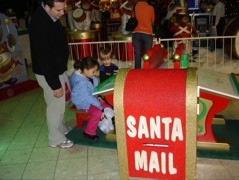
219,16
126,10
218,24
142,35
49,51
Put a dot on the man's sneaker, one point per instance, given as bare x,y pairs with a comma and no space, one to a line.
65,144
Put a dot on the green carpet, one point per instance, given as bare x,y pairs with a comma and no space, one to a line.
230,131
76,135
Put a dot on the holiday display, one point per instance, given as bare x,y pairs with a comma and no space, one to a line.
156,129
155,56
124,51
180,25
95,14
231,47
216,91
78,15
12,62
82,50
115,10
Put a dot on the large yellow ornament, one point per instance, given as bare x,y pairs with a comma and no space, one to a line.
176,57
6,21
146,57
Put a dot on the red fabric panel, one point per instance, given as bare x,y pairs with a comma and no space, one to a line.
152,93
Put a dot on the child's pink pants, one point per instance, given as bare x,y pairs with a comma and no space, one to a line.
95,118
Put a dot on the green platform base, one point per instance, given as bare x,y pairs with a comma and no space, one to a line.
76,135
229,131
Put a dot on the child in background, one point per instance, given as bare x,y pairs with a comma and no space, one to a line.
108,69
83,81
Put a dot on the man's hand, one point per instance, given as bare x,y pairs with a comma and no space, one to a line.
58,92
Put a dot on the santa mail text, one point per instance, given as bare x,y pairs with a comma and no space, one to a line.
166,128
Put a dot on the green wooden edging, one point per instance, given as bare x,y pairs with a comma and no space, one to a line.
234,83
101,85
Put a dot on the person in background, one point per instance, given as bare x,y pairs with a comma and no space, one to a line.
218,24
126,10
107,69
24,20
142,35
219,16
49,51
105,17
83,82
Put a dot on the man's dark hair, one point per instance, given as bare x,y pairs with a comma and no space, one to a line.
50,3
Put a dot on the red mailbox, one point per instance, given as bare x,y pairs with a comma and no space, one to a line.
156,123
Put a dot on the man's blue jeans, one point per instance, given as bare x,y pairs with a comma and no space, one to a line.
141,42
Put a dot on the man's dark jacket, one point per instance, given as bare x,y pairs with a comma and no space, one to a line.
49,47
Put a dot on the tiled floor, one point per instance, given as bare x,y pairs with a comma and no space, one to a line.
24,151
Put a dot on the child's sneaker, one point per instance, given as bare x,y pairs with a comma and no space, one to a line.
91,137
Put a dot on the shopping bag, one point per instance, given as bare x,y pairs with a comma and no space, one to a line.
106,124
131,24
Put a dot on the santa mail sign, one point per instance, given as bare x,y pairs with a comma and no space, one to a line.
155,127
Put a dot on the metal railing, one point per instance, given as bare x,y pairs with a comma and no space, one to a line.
217,53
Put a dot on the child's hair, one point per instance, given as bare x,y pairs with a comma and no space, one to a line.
105,53
86,63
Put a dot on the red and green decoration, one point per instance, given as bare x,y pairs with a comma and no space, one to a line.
182,28
154,57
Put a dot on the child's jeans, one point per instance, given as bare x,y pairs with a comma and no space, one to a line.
95,118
